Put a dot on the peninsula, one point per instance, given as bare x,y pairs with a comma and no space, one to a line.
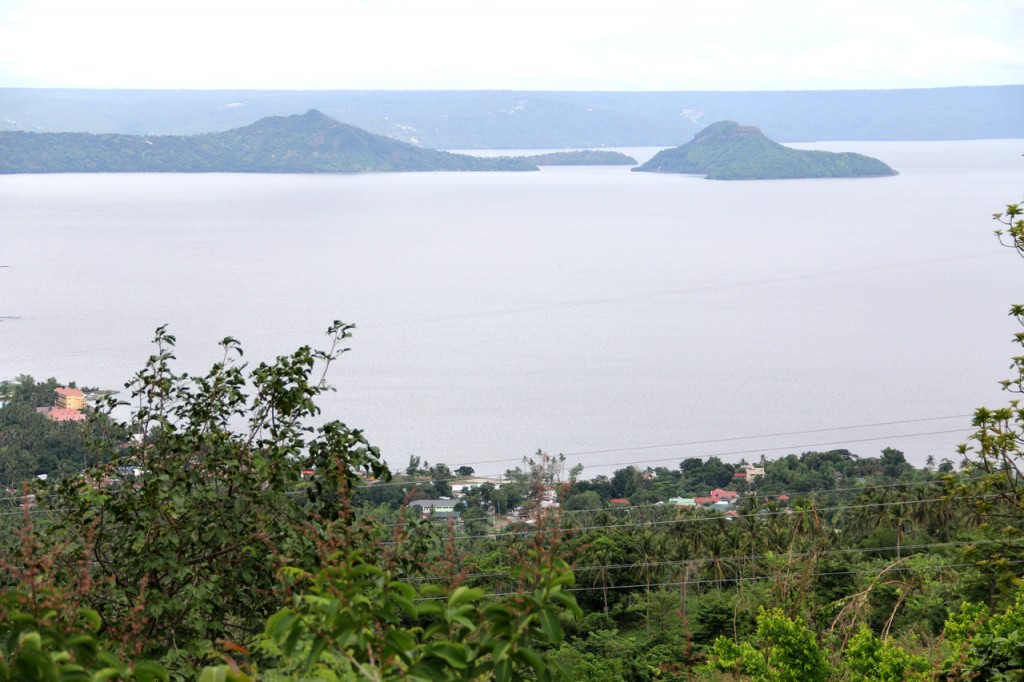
728,151
584,157
306,143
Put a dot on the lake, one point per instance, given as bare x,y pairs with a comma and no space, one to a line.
615,317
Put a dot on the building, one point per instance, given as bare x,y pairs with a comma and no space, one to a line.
719,495
61,414
436,509
752,471
69,399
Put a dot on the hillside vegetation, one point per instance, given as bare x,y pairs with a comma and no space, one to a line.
728,151
307,143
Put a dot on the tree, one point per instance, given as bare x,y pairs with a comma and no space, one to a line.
351,622
993,486
199,553
871,659
894,463
601,557
587,501
189,550
785,651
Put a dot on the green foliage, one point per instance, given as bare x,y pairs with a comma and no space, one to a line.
729,151
46,633
25,390
188,551
992,487
30,444
740,658
785,651
699,476
352,622
186,540
872,660
988,647
585,501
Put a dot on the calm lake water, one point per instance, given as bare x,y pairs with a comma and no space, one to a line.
615,317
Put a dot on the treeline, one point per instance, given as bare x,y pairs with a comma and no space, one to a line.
31,445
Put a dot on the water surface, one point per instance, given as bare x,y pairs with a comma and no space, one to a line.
575,310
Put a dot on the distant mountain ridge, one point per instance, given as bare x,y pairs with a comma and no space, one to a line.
489,119
306,143
728,151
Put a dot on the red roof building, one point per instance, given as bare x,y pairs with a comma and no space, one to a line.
61,414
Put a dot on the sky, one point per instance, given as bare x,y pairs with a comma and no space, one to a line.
522,45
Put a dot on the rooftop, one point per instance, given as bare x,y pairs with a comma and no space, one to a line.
59,414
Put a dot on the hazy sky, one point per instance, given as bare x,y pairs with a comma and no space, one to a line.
498,44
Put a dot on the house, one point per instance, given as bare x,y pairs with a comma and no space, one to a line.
752,471
436,509
619,501
549,499
683,501
720,495
69,398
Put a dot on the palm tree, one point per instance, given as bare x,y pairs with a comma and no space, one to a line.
648,548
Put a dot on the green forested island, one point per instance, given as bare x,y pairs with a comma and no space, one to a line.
307,143
728,151
584,157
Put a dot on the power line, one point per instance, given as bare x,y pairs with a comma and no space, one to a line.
709,441
723,440
767,435
562,513
709,581
704,519
747,557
